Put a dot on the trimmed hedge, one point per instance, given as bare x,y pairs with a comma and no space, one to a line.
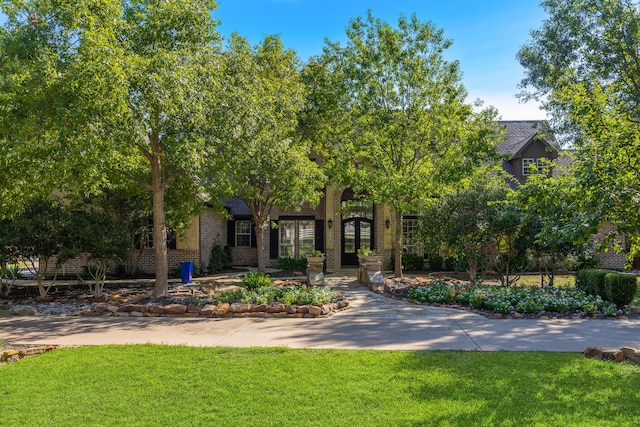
610,285
620,289
435,262
591,281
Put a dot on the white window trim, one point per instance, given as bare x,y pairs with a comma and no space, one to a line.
238,222
526,162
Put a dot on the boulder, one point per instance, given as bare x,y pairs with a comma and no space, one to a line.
175,309
632,354
593,352
614,355
222,309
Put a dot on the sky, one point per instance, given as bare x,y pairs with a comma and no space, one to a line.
486,35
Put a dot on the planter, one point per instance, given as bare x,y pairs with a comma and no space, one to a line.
315,270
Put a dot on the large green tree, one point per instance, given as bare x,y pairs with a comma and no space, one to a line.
93,88
584,64
265,155
392,114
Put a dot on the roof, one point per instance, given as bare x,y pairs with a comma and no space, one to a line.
520,133
237,208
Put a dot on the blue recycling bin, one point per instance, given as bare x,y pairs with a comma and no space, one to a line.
186,271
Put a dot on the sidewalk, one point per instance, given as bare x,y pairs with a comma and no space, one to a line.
372,322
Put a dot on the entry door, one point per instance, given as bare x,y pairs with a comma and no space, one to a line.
356,233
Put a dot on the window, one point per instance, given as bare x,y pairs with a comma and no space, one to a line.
144,237
410,238
539,163
296,237
526,163
243,233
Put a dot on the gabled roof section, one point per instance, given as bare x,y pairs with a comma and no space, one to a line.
520,133
238,208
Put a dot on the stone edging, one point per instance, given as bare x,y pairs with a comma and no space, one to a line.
13,355
613,355
272,310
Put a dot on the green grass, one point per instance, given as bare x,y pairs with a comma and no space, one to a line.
176,386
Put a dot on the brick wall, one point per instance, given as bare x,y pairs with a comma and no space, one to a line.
611,259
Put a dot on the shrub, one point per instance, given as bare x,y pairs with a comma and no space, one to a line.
410,262
220,258
253,280
620,289
290,263
591,281
435,262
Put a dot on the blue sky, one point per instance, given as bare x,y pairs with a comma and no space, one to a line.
486,35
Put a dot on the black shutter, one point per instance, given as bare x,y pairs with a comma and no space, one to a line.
254,239
273,241
231,232
319,235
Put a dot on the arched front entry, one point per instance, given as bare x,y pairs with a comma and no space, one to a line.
357,227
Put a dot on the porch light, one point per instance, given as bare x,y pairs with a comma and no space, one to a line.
387,223
330,223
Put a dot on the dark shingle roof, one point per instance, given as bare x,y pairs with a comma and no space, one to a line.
237,208
519,133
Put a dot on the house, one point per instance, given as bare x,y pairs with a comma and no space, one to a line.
526,148
342,223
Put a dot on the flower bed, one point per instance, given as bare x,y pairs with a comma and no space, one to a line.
508,300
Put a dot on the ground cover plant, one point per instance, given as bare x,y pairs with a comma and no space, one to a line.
160,385
505,299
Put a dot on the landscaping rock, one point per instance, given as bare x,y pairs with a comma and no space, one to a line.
24,311
193,309
222,309
175,309
239,308
258,308
276,308
133,307
593,352
314,311
209,310
614,355
632,354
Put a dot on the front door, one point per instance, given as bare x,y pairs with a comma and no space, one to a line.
357,233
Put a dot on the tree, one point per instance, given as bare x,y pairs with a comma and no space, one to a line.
465,223
38,235
392,115
585,59
92,88
103,239
267,158
556,219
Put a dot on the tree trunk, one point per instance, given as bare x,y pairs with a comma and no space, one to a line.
159,227
262,266
397,246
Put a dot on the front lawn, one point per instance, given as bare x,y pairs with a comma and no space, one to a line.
172,386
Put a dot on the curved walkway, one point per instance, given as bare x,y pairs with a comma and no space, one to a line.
373,322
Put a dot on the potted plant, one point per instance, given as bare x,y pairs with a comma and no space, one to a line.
315,257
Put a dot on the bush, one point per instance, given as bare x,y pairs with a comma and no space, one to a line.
292,264
255,280
220,258
435,262
410,262
620,289
591,281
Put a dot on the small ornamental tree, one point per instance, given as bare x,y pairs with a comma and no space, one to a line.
41,234
105,242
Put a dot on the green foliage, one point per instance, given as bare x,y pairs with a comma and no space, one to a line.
264,154
220,257
410,262
389,100
288,295
291,263
506,299
102,109
254,280
435,262
620,289
581,61
592,281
